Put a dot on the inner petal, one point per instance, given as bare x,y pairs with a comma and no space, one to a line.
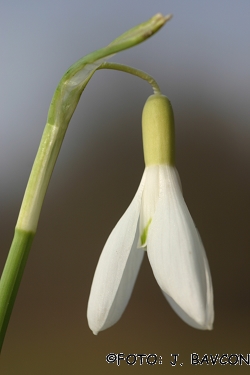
150,198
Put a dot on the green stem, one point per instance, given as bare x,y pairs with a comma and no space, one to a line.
11,276
61,109
133,71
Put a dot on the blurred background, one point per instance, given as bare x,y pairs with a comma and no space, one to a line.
201,59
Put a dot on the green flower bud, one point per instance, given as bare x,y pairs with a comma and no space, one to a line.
158,131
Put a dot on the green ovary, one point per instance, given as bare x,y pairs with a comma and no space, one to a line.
158,131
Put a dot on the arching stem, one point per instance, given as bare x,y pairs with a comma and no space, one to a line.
133,71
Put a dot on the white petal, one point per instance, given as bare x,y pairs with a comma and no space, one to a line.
150,198
177,255
116,271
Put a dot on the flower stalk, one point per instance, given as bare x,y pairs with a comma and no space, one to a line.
62,107
133,71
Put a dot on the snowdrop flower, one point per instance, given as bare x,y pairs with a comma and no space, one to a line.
166,231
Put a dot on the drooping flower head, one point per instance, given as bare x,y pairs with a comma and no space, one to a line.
166,230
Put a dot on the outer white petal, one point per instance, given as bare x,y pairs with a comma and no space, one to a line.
177,255
116,271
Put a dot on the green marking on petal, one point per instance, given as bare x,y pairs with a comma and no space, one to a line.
144,234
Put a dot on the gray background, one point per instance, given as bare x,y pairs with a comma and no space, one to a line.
201,60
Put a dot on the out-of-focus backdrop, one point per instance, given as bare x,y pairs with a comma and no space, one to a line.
201,60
